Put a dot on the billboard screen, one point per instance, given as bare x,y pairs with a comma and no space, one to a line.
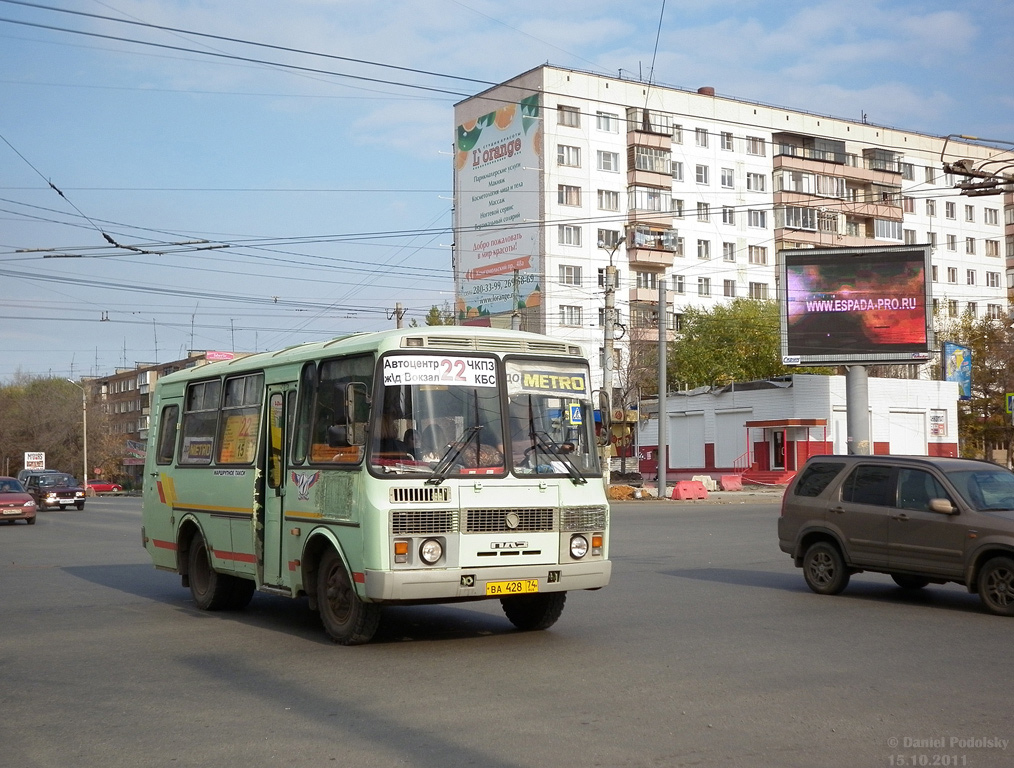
845,306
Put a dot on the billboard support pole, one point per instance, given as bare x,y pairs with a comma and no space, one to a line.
857,406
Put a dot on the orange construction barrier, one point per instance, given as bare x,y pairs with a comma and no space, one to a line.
689,489
731,482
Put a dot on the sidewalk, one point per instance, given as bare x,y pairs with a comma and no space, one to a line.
753,494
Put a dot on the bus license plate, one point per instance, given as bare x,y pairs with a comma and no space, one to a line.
515,587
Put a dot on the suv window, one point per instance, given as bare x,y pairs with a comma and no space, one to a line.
816,477
916,487
869,485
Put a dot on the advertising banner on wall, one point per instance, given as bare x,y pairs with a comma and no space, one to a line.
957,366
496,166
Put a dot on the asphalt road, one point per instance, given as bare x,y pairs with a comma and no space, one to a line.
706,650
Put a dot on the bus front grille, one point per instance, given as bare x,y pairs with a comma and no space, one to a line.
583,518
439,493
504,520
423,521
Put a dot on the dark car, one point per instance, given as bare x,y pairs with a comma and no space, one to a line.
15,503
56,489
923,520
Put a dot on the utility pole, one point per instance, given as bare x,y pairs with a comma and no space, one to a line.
84,432
609,321
663,418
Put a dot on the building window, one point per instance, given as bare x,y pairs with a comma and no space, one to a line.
677,134
703,286
756,146
677,208
991,216
608,238
885,229
931,175
757,218
568,195
726,140
608,161
728,251
703,249
647,280
933,271
728,214
603,275
758,254
993,279
756,182
931,207
994,311
608,200
972,310
969,213
607,121
569,156
931,238
993,248
678,250
910,237
952,274
759,291
570,275
701,137
970,276
950,210
679,284
952,242
728,178
570,315
703,211
569,116
701,174
649,199
652,159
569,234
970,246
677,171
908,171
952,308
908,204
729,289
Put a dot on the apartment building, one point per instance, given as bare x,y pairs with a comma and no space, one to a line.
559,173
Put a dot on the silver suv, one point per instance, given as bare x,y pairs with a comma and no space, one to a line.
923,520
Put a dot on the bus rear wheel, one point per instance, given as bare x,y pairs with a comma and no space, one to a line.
528,612
211,590
346,619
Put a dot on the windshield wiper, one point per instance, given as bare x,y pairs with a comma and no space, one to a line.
454,450
543,441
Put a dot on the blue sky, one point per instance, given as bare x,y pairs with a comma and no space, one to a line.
325,187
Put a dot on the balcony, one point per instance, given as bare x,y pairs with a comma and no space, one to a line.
649,296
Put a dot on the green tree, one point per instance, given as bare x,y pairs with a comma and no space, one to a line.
736,341
437,316
983,421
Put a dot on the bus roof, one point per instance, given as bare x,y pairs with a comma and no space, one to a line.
445,338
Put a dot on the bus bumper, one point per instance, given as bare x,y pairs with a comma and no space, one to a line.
470,583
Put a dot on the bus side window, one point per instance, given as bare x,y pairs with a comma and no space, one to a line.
342,410
167,434
304,413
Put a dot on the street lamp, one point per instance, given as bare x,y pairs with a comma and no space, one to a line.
84,428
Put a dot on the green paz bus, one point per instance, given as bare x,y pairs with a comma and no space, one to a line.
426,465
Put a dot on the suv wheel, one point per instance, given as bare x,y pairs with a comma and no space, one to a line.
996,585
824,569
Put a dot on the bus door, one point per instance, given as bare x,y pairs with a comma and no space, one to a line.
281,406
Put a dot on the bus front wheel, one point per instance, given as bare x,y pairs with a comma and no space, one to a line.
346,619
527,612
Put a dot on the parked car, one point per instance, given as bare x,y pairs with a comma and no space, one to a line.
104,486
923,520
15,503
56,489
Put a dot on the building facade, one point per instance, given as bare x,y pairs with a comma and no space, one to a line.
560,173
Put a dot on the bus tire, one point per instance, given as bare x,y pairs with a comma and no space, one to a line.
528,612
242,593
346,619
212,591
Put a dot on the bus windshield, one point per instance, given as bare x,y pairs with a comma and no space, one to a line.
443,416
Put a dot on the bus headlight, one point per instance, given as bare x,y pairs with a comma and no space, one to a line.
578,546
430,551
